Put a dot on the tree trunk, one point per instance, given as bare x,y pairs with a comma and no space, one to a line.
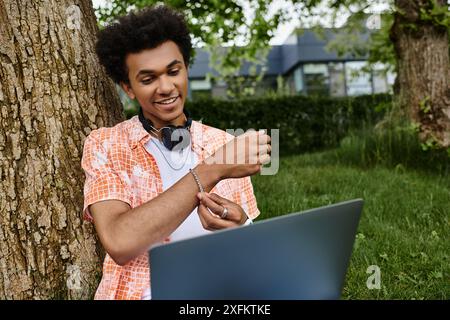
53,92
422,51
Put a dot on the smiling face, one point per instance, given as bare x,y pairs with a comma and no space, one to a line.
158,79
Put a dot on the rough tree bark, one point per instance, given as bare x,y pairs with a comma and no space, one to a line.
53,92
423,69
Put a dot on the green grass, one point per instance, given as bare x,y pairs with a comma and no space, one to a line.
404,228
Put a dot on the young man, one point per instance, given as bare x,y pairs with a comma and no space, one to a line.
138,192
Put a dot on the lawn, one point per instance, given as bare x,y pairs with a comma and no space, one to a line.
404,228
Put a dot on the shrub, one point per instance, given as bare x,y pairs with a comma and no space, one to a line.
305,123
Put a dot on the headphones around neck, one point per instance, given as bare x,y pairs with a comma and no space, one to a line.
171,136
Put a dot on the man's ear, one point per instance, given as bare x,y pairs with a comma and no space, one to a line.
128,90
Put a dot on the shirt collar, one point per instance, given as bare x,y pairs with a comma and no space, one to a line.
137,133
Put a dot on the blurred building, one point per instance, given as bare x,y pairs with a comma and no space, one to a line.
302,65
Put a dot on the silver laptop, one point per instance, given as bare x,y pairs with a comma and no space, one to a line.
301,255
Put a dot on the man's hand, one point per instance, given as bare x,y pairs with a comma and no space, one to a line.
242,156
211,209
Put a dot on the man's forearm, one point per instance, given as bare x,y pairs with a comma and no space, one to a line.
139,228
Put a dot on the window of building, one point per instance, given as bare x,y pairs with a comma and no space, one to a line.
337,79
316,79
379,78
382,78
380,84
298,80
358,81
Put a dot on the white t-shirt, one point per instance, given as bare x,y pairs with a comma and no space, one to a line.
173,165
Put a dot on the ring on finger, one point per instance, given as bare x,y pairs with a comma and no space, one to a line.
224,213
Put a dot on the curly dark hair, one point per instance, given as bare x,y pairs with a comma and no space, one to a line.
146,29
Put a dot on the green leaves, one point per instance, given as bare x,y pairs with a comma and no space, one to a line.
435,13
425,105
215,24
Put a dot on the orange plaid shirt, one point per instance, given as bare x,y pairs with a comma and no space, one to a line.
118,166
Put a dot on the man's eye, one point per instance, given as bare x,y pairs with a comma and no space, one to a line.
147,80
174,72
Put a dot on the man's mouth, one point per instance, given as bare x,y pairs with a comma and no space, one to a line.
167,101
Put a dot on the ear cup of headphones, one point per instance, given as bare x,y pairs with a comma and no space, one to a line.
175,138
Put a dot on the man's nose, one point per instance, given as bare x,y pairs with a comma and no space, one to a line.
165,85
